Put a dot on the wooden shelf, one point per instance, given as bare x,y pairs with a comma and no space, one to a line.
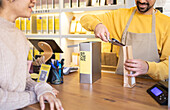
108,68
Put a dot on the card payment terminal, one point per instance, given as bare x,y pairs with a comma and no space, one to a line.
159,92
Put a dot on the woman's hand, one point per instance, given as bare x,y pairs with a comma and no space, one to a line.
139,67
54,102
55,91
101,32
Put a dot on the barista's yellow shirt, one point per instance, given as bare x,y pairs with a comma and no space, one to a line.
116,20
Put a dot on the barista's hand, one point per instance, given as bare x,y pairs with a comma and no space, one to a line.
101,32
138,66
54,102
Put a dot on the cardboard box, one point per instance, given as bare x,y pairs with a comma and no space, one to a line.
90,62
44,24
28,25
23,25
18,22
33,26
51,24
39,24
56,24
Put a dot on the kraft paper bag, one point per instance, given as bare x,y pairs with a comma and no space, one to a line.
127,54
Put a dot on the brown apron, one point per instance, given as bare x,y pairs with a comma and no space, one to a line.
144,45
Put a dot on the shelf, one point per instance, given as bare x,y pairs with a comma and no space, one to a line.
58,36
78,36
46,11
39,36
90,8
108,68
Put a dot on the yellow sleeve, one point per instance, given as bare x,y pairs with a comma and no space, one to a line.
89,22
159,71
114,20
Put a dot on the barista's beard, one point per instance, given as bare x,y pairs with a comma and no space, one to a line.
143,10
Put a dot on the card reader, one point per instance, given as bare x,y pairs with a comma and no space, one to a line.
159,92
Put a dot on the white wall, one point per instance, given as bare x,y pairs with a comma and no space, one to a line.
130,3
166,8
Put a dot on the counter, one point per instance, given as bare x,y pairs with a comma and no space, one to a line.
106,93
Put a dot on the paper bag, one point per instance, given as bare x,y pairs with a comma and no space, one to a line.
127,54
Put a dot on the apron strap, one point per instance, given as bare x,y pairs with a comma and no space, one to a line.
153,22
123,40
127,26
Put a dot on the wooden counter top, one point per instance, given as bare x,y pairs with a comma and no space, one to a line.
106,93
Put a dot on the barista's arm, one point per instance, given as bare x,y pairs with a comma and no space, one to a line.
97,24
107,24
159,71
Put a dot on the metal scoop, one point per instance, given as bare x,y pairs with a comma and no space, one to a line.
115,42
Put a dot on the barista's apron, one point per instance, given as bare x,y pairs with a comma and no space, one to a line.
144,45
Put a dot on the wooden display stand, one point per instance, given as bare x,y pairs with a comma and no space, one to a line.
127,54
48,52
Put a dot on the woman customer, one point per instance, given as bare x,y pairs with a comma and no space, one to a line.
17,89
